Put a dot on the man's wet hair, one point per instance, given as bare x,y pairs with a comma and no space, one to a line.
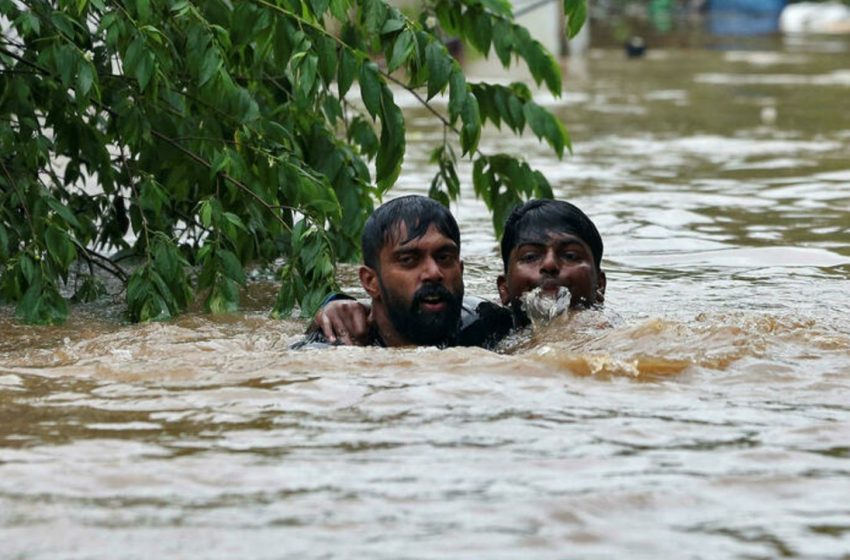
536,219
417,213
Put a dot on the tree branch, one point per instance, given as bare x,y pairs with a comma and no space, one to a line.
101,261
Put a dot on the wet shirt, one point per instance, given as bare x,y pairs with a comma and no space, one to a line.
482,323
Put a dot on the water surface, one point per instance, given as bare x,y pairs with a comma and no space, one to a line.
705,413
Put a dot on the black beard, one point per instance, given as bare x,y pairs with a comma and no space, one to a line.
425,329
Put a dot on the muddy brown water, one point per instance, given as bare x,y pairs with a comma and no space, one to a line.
705,413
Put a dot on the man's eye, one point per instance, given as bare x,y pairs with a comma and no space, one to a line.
406,260
446,258
528,257
570,256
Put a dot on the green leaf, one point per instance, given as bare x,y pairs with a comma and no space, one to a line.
576,13
543,66
401,50
29,23
232,228
503,41
434,191
281,44
393,23
319,8
4,244
362,133
66,62
85,78
326,49
59,246
480,179
63,23
332,108
139,62
180,7
230,266
224,297
339,9
220,163
502,7
210,65
143,8
307,71
243,106
542,187
42,305
391,150
480,29
312,247
470,133
28,269
515,114
63,212
167,263
325,205
345,76
374,14
152,197
439,68
370,88
490,102
451,179
546,126
457,93
163,293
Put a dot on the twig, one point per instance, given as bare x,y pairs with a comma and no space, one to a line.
100,260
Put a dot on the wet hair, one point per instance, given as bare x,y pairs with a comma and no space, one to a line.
537,218
417,213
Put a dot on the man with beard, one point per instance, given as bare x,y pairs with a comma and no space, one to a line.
413,274
548,245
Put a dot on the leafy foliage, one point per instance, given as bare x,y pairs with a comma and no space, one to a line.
198,137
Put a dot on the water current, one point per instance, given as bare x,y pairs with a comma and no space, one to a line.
705,413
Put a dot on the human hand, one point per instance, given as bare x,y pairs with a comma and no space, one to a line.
345,321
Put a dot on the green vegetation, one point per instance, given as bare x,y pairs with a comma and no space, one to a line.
172,143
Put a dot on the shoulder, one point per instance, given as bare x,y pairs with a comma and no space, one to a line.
483,323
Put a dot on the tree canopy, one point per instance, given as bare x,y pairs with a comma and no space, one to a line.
173,143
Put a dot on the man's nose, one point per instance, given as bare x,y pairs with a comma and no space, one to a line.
549,262
431,270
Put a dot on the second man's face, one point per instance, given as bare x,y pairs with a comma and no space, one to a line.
550,262
421,284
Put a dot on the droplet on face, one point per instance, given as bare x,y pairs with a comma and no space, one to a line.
542,307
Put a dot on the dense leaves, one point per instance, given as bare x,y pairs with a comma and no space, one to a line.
173,143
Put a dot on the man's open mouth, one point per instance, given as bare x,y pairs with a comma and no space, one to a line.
432,303
550,288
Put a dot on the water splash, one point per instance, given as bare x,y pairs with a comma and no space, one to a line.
541,307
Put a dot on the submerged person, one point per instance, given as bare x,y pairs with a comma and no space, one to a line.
413,274
548,246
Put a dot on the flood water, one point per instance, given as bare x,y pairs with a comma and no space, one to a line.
705,413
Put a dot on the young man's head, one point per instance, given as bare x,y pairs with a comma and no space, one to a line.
412,271
548,244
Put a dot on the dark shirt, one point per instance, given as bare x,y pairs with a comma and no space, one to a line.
482,323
